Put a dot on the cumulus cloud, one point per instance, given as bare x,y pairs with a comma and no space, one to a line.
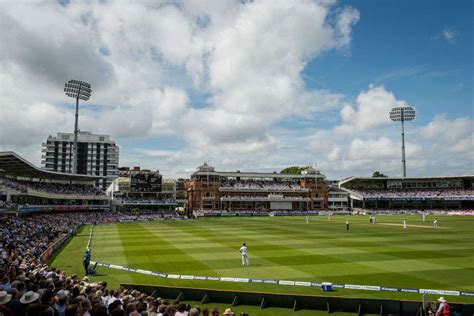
50,48
371,111
440,147
454,136
145,59
148,60
380,148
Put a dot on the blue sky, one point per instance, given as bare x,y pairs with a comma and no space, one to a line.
260,86
398,44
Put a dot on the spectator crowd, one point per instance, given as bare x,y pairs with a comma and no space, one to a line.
269,197
49,187
29,287
415,193
9,206
261,185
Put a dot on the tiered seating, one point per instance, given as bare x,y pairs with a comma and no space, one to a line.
415,193
57,188
260,185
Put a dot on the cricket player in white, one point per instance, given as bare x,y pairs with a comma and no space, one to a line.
424,217
435,223
404,224
245,257
307,220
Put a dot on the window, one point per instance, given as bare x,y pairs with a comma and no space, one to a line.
101,138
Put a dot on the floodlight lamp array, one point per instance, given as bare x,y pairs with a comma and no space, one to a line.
78,89
405,113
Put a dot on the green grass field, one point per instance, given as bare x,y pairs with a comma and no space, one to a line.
287,248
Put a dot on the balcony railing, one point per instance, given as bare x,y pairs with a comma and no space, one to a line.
265,199
262,189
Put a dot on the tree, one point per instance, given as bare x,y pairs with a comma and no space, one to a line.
294,169
378,174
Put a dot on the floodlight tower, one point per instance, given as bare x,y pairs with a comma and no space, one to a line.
402,114
78,90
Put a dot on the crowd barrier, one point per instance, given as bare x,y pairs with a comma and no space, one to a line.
61,208
358,306
49,252
89,242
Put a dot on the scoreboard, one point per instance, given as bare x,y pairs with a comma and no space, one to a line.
142,182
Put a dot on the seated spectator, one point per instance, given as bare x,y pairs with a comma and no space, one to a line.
4,299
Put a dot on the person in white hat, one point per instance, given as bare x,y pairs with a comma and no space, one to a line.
5,298
228,311
29,297
443,309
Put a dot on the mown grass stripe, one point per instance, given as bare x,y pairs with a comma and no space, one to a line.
288,248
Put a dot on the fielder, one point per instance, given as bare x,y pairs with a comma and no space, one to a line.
404,224
87,260
245,257
435,223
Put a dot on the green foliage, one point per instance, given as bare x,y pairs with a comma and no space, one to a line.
378,174
294,170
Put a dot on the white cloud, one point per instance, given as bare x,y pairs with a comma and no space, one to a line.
143,58
372,110
440,147
147,60
449,34
455,135
448,130
380,148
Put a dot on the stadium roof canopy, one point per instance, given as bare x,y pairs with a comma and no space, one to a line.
12,164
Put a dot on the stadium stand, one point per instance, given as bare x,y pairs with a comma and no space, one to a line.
261,185
43,203
141,190
57,188
209,189
25,188
420,193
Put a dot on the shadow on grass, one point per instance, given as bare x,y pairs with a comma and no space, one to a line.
60,249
